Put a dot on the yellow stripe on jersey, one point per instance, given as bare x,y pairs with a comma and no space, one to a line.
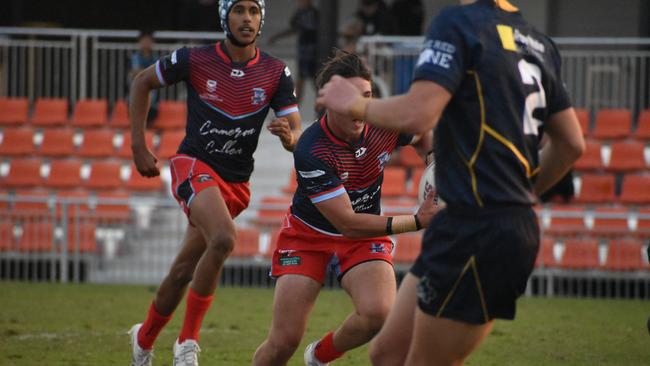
507,37
514,150
472,161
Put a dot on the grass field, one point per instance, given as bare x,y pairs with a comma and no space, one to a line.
44,324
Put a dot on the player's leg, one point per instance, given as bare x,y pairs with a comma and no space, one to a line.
371,285
443,342
390,347
293,301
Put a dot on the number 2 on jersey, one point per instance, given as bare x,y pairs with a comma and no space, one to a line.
531,74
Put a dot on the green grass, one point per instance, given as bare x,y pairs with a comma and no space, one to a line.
44,324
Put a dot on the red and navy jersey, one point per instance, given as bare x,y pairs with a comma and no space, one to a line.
505,79
327,167
227,103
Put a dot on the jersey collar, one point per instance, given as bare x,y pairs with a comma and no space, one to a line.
335,139
223,54
504,5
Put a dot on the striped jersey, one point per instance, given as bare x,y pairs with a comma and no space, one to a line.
227,103
327,167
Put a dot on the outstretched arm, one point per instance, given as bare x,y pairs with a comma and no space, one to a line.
145,81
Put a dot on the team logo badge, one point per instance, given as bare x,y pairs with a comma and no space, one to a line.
211,86
259,96
378,248
383,159
237,73
425,291
360,152
344,176
204,178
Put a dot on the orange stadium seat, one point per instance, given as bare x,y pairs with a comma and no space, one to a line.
13,111
545,256
137,182
17,141
90,113
7,237
273,244
24,207
112,211
394,182
64,174
398,206
50,112
248,243
171,115
627,156
24,173
613,124
272,210
120,115
583,118
625,255
81,237
643,126
409,157
104,175
636,189
580,254
57,142
124,151
97,144
37,237
592,158
169,142
407,247
643,223
570,225
597,188
292,184
78,205
613,226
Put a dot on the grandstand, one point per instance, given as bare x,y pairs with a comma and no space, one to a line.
75,209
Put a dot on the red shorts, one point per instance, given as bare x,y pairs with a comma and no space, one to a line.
305,251
190,176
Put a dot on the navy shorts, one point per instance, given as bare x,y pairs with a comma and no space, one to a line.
475,263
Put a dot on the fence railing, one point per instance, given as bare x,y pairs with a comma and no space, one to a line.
599,72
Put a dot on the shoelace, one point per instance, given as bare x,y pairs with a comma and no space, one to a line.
189,352
144,357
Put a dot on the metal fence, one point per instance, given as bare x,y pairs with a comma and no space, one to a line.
599,72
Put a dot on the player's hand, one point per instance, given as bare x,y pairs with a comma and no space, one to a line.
145,161
427,209
280,127
341,96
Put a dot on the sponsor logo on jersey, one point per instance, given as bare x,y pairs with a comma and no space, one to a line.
383,159
259,96
237,73
211,86
174,58
438,53
344,176
360,152
311,173
287,72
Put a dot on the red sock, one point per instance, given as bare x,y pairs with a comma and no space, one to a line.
152,327
196,308
325,351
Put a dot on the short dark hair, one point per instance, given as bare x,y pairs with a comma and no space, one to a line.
345,64
145,33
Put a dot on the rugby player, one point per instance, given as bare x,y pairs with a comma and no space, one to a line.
491,86
231,86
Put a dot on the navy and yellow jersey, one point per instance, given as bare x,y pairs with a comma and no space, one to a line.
505,80
327,167
227,103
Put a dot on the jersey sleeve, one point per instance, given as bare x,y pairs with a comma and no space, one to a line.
284,101
557,94
316,179
174,67
444,56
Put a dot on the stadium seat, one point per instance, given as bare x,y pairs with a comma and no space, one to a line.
545,256
398,206
613,124
169,142
137,182
394,182
566,220
172,115
50,112
409,158
625,255
643,223
272,210
583,118
30,203
7,237
636,189
64,174
110,209
416,176
57,142
81,237
580,255
13,111
24,173
273,244
104,175
596,188
643,126
407,247
36,237
611,226
17,141
120,115
248,243
292,184
627,156
97,144
124,151
76,205
592,158
90,113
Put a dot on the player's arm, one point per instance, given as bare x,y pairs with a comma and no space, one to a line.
143,83
338,211
288,129
423,144
564,146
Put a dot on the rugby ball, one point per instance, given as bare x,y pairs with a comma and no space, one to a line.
427,183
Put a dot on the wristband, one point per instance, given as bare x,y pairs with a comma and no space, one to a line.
389,225
418,225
